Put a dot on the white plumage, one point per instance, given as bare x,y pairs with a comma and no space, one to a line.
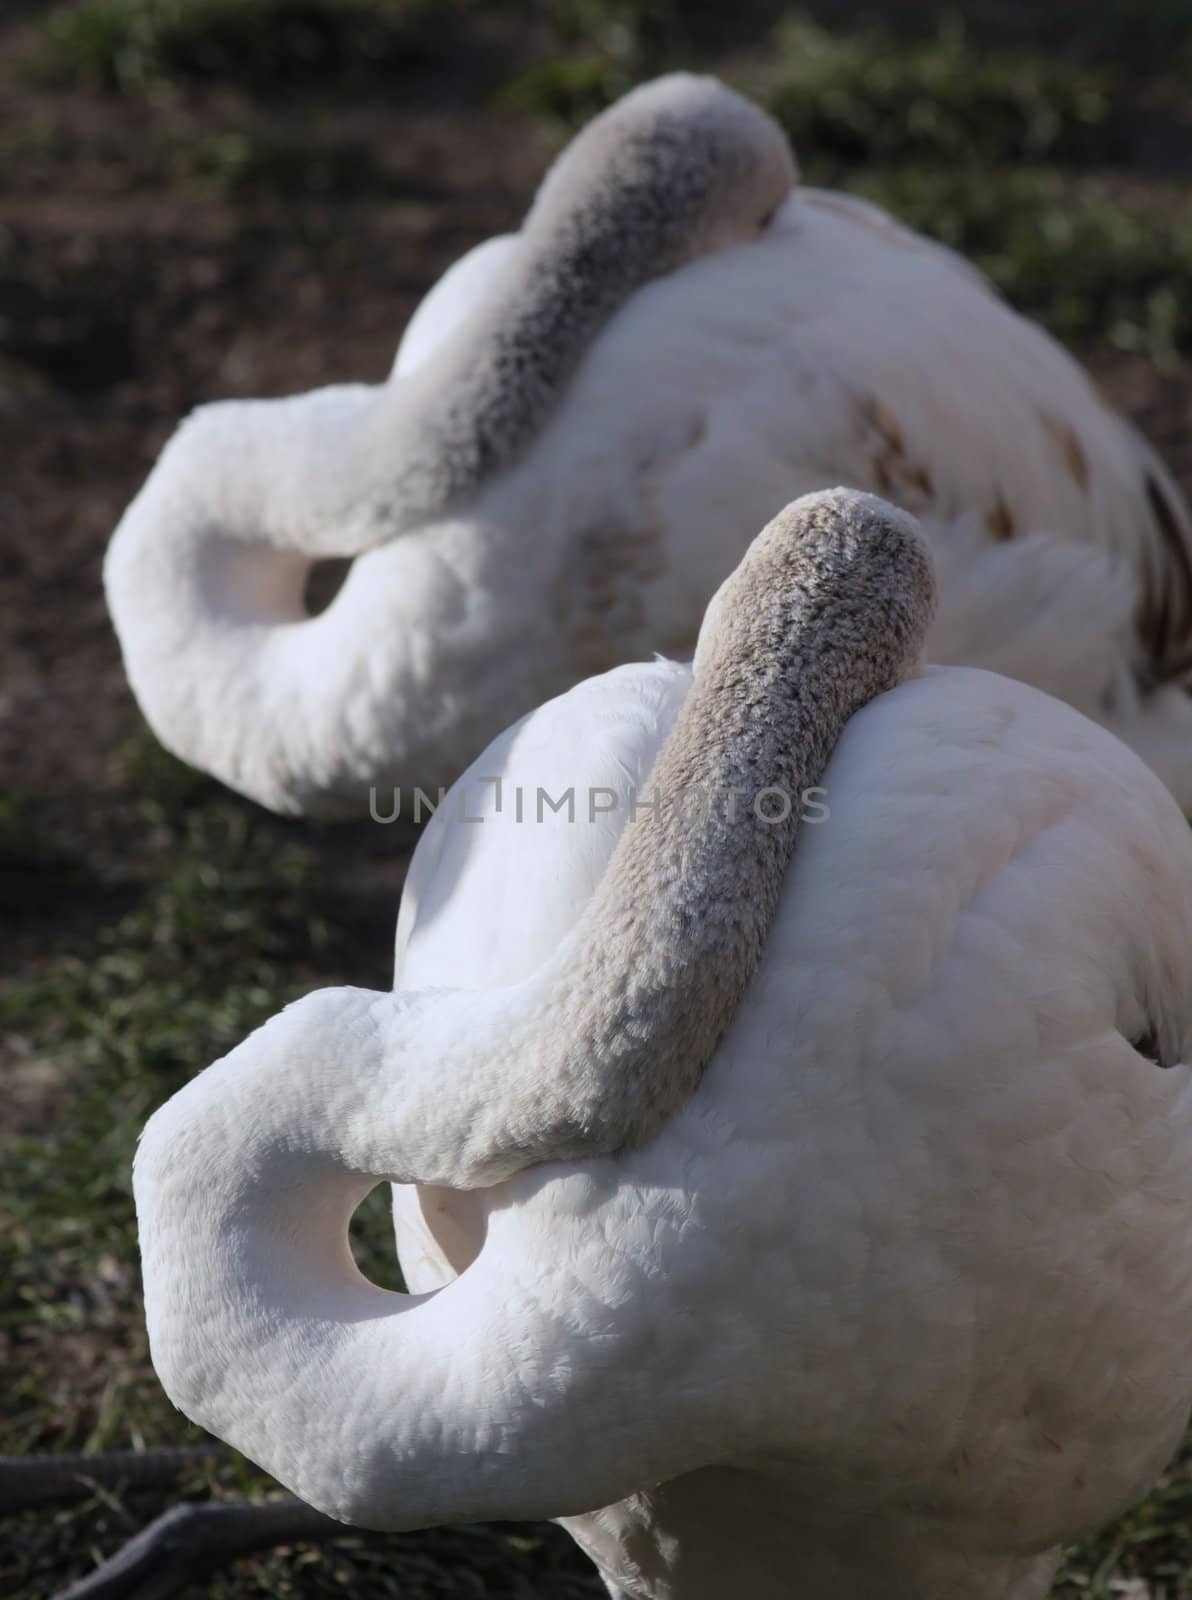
832,346
897,1302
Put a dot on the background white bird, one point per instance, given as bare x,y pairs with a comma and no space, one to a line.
586,424
897,1298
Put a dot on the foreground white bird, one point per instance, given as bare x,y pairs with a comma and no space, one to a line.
876,1279
587,423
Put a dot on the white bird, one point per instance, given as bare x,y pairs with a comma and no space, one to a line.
586,424
866,1269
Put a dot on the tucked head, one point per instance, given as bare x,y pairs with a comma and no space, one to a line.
834,571
678,168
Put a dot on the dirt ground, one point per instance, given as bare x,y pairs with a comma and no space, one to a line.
158,249
132,307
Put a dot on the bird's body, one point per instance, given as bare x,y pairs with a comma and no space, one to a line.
842,347
866,1269
922,1235
813,342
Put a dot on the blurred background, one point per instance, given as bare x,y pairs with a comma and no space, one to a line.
212,198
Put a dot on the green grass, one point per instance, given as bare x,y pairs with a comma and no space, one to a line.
1141,36
227,914
867,96
1151,1545
853,96
245,161
288,167
230,917
991,151
128,45
604,47
570,90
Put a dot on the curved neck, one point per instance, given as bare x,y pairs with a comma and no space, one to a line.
306,715
829,608
382,1409
204,580
470,411
595,1052
675,170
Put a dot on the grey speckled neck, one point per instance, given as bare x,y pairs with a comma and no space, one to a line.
675,170
829,608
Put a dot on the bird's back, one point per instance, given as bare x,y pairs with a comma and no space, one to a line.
934,1187
940,1165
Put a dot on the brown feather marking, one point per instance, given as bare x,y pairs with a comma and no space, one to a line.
598,596
895,474
1000,520
883,419
1167,624
1070,448
883,475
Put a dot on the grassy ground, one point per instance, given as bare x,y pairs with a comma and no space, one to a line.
216,197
